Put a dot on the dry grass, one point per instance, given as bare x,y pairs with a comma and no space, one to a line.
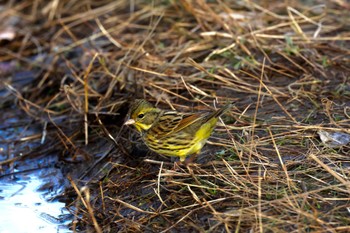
285,64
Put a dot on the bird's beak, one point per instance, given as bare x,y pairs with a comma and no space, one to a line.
129,122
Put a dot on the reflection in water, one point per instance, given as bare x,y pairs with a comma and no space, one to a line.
24,210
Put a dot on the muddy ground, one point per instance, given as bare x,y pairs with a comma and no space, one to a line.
70,70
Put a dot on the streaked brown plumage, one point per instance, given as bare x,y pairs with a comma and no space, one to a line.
173,133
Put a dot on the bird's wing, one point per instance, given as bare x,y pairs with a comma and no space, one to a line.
171,122
190,119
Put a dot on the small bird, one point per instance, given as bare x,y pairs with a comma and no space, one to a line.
173,133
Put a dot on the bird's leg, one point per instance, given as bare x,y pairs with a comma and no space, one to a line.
190,159
184,161
177,165
180,162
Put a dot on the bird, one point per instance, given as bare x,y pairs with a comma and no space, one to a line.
173,133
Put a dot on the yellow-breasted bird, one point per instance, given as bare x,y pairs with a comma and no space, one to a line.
173,133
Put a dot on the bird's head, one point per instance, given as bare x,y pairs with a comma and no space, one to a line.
142,115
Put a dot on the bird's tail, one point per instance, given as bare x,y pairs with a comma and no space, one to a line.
220,111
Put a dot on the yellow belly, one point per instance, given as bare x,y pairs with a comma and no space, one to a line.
200,139
165,147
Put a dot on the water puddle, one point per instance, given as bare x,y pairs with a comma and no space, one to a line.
24,209
29,180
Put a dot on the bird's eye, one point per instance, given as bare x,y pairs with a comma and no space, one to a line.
140,115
